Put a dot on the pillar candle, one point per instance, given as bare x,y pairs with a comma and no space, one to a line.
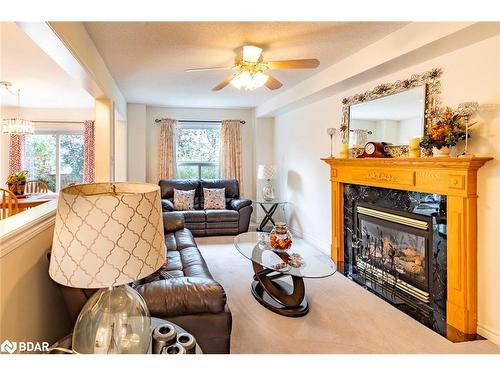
344,151
414,147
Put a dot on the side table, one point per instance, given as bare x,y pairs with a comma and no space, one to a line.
65,343
269,207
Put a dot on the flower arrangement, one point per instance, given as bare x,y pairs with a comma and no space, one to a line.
447,128
16,182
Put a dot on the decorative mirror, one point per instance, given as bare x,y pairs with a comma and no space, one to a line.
392,113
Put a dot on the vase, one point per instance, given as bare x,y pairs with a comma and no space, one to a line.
16,188
440,152
280,237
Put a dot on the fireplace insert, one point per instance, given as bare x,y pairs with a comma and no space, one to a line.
393,246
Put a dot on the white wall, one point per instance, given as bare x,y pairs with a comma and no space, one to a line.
264,154
470,73
247,138
136,141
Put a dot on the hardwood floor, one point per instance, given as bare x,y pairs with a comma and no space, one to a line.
343,317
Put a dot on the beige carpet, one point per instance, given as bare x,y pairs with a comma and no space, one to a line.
343,317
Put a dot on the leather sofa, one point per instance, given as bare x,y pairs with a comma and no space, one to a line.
233,220
183,291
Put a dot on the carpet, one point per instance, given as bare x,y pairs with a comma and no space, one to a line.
343,317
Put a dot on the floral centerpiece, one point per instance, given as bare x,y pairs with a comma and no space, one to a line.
447,128
17,181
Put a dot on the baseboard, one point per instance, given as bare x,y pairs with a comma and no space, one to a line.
489,333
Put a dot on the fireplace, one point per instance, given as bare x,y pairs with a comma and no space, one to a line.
395,246
444,189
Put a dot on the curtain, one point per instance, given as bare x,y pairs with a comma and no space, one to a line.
168,162
88,151
16,152
230,151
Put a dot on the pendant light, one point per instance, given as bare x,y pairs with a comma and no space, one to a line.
16,125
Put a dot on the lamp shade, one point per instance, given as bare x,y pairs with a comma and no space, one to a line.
266,172
107,234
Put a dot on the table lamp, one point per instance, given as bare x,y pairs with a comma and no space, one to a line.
107,235
266,172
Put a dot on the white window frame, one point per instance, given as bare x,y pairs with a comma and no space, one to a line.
198,126
57,134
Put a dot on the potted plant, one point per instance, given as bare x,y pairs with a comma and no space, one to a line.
446,130
17,181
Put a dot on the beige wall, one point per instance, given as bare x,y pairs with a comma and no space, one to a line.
470,73
31,305
247,138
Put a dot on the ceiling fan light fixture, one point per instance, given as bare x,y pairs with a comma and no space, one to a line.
251,54
246,81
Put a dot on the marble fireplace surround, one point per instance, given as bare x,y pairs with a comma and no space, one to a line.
454,177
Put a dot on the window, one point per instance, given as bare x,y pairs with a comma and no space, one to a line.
55,158
198,147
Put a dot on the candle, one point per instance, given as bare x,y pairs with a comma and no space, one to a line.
414,147
344,151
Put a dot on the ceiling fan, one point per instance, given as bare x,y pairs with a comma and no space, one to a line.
250,68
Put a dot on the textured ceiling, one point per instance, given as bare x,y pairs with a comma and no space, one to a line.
148,59
42,82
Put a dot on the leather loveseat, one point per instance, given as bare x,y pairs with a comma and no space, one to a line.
182,291
233,220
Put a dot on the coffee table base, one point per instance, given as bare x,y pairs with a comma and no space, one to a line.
277,295
272,304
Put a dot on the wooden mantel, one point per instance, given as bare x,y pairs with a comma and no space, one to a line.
454,177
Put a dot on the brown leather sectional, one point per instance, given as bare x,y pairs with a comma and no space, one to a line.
233,220
183,291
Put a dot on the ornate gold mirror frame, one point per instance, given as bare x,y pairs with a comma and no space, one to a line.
432,90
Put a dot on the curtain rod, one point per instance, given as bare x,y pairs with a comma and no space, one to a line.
57,122
209,121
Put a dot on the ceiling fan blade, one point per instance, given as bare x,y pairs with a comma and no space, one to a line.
223,84
294,64
209,69
272,83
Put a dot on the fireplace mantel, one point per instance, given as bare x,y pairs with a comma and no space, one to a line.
454,177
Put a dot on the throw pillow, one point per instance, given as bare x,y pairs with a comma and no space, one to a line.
214,199
184,200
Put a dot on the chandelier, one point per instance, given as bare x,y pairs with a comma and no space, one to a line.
16,125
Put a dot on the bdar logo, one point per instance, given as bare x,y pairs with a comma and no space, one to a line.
8,347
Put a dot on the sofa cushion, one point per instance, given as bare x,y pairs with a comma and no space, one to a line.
232,188
194,216
167,189
214,199
184,200
221,215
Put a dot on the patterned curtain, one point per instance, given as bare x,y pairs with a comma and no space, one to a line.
230,151
88,151
168,162
16,152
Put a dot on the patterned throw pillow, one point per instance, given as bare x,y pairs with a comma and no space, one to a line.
214,199
184,200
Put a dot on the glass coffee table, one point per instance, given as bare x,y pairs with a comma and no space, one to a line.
301,261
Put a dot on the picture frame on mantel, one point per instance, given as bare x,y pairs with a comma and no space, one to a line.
432,87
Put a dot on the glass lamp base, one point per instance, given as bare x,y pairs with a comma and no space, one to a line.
114,320
268,191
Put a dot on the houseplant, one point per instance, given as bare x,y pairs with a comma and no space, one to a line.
446,129
17,181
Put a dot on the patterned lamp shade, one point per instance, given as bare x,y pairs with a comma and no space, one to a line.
265,172
107,234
